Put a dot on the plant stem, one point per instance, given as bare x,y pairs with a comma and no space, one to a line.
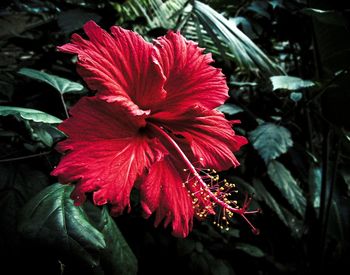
330,191
323,195
325,154
310,130
64,106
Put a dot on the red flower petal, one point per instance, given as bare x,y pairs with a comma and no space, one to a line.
105,152
162,191
209,134
190,79
110,146
119,67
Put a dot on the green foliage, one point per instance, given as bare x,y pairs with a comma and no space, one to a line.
29,114
270,140
287,185
14,25
116,257
327,16
300,180
72,20
38,124
158,14
251,250
44,133
52,219
283,214
60,84
290,83
19,182
244,51
230,109
16,189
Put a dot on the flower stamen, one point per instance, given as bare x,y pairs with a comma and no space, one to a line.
206,189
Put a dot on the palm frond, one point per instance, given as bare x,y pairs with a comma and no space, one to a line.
157,13
199,22
245,52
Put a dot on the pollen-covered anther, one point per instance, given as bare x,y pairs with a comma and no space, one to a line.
211,195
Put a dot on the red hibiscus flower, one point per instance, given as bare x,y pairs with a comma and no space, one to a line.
151,125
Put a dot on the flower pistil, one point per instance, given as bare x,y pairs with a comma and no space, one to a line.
205,188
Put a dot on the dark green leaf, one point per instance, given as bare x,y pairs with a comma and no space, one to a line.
230,109
15,24
200,263
73,20
45,133
290,83
327,16
270,140
18,184
43,136
28,114
222,267
289,188
233,232
276,3
245,25
52,220
185,246
60,84
284,215
117,257
251,250
260,8
87,233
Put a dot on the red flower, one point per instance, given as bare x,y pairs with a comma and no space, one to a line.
152,125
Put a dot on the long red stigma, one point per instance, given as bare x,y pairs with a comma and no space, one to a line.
210,195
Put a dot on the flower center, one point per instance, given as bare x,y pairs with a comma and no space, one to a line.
204,186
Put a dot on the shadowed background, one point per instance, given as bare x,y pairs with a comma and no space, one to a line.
286,63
